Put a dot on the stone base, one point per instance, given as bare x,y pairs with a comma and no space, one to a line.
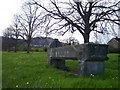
57,63
91,68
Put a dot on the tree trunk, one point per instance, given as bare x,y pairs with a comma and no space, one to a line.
86,37
16,45
28,46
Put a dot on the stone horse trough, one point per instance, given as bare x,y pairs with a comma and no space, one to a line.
91,56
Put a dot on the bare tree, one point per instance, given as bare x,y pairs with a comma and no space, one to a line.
8,32
119,25
13,32
85,17
15,28
8,39
30,22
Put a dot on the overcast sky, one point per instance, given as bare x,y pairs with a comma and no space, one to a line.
7,9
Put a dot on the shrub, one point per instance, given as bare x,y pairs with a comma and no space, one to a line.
34,49
45,49
111,49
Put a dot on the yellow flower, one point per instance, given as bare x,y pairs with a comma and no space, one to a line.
50,77
27,83
16,86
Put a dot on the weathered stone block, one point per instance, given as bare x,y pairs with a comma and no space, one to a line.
57,63
91,56
91,67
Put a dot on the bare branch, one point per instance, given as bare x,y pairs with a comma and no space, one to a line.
82,16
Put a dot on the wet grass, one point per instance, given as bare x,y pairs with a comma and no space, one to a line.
22,70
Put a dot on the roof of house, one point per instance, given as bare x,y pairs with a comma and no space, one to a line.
117,39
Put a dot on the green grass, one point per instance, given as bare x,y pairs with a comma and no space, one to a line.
22,70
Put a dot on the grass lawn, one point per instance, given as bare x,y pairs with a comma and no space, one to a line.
22,70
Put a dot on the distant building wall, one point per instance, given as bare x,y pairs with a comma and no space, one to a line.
114,45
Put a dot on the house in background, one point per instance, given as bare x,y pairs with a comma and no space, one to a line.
8,44
114,45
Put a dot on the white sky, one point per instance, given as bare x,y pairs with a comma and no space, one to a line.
7,9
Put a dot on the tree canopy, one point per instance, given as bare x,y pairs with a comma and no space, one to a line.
84,16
